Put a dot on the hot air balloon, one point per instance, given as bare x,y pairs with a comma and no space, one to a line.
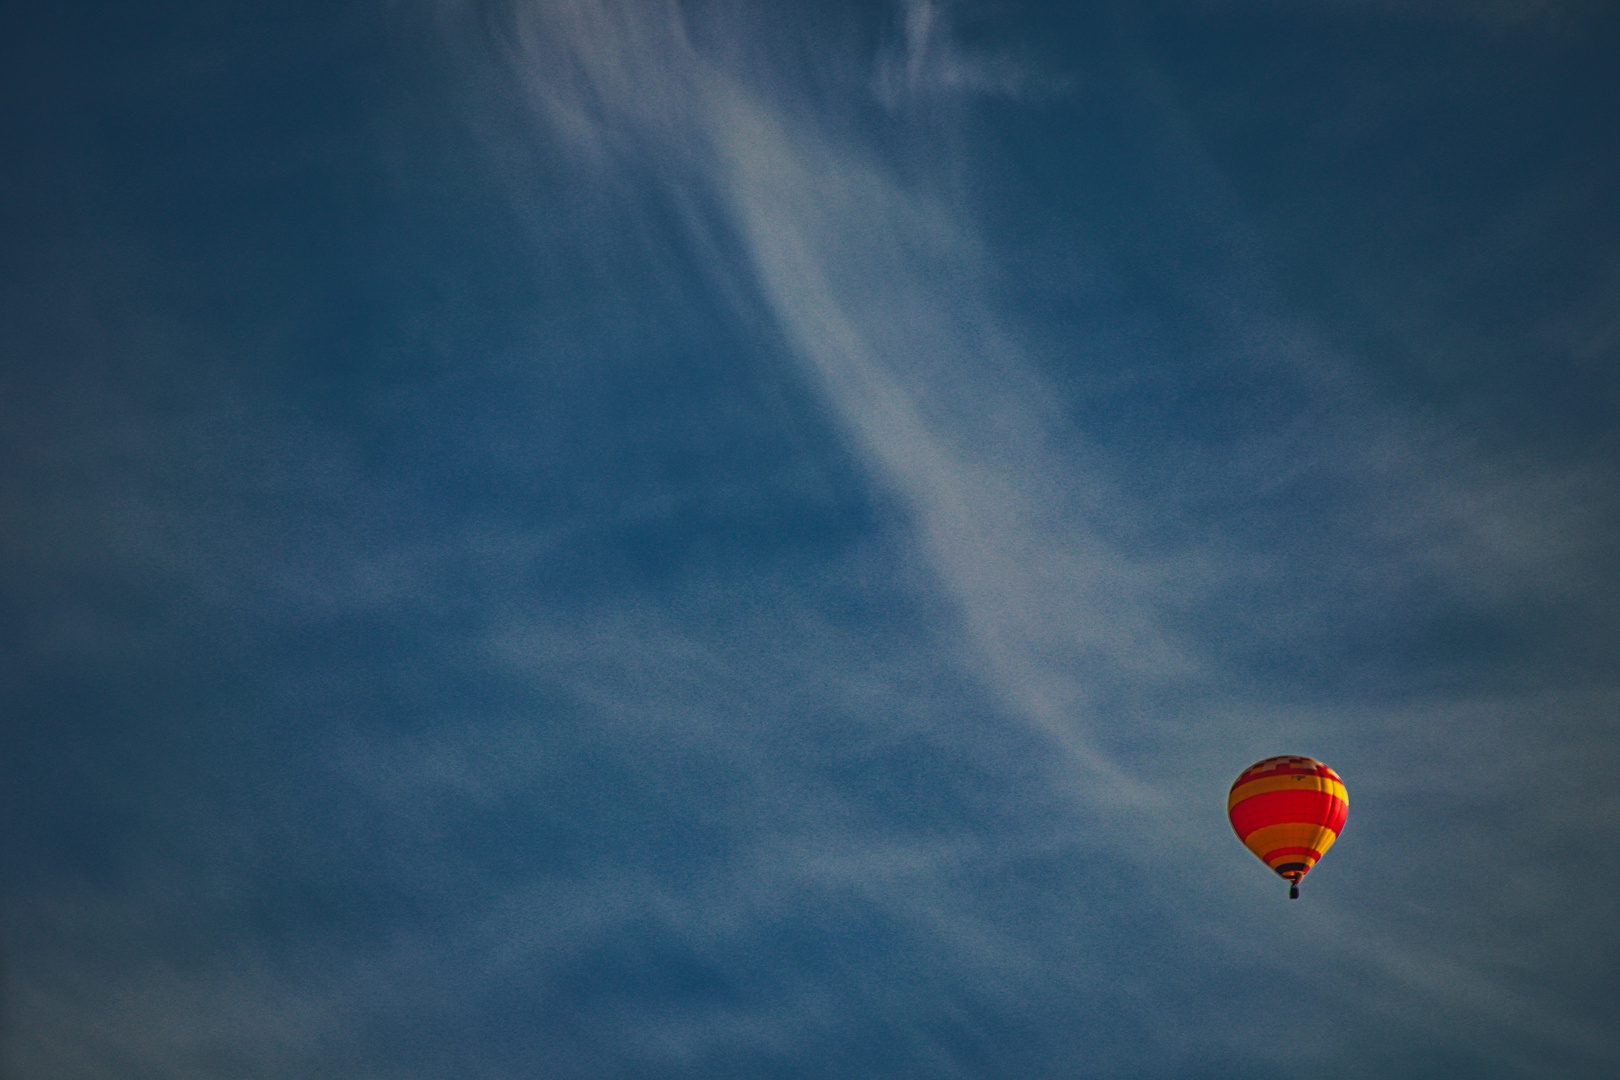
1288,811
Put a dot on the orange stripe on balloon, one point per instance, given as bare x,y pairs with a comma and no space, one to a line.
1260,785
1293,834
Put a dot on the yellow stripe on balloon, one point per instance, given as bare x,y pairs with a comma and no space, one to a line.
1290,834
1287,783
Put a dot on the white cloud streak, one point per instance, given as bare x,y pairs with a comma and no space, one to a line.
931,65
874,286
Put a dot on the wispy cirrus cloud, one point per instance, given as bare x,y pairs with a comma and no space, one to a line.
930,63
878,288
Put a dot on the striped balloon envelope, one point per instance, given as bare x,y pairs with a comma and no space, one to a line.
1288,811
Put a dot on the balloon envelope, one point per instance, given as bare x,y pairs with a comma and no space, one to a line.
1288,811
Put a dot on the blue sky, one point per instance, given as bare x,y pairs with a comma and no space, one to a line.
607,539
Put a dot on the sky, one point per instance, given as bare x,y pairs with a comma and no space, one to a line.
689,538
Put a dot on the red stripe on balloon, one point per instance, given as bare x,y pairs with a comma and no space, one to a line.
1283,807
1275,852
